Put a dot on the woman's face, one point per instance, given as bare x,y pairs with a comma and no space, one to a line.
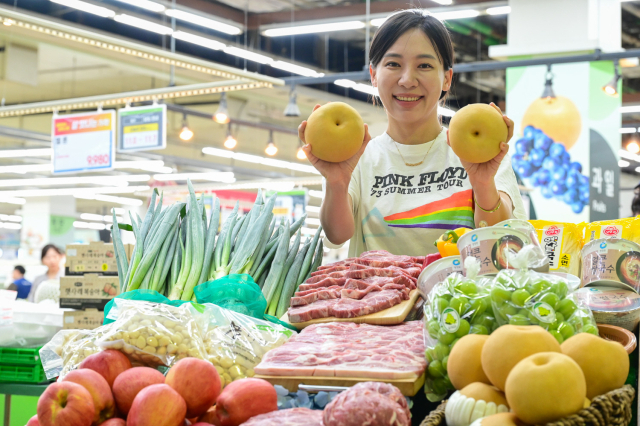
410,78
52,259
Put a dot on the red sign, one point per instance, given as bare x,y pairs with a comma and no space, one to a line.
552,231
610,231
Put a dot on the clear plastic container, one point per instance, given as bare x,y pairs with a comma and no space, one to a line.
611,262
436,272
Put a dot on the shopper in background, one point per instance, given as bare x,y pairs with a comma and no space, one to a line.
51,257
22,286
635,204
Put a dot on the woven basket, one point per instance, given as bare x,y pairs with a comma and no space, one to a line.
610,409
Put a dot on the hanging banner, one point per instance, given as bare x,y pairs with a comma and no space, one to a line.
142,128
83,142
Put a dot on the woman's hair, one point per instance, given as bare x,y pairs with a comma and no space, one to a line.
48,247
401,22
635,204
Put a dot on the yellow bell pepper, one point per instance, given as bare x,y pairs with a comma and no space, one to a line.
447,243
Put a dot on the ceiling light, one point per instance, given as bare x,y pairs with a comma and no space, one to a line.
151,165
13,200
203,22
91,216
456,14
115,180
200,41
296,69
317,28
273,186
76,192
222,113
312,221
501,10
145,4
548,92
623,163
143,24
118,210
230,142
125,201
226,177
630,109
316,194
245,54
271,148
87,7
446,112
19,153
611,88
301,155
443,2
623,153
89,225
10,218
633,147
312,209
377,22
256,159
629,62
11,225
292,110
109,219
185,133
625,130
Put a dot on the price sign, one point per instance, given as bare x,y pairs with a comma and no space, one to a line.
142,128
83,142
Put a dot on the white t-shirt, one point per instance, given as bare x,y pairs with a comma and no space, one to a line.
404,209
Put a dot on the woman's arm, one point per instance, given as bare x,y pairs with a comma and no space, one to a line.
488,198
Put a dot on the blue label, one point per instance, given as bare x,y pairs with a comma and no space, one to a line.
474,237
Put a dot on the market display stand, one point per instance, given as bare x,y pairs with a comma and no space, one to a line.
18,389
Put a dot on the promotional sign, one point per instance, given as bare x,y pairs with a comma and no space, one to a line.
83,142
142,128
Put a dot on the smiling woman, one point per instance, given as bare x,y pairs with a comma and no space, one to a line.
404,188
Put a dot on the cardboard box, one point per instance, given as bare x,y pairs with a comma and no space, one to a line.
89,291
95,257
82,320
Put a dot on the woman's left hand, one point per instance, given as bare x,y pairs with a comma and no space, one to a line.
484,173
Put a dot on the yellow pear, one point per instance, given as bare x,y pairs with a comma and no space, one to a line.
545,387
464,365
557,117
335,132
605,364
475,133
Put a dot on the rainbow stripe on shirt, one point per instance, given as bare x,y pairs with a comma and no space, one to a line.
450,213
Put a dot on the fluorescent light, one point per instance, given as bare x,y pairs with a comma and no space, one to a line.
310,231
443,2
623,163
245,54
277,186
143,24
312,209
296,69
118,210
76,192
87,7
629,62
200,41
13,200
226,177
629,156
377,22
10,225
98,217
151,166
88,225
145,4
457,14
203,22
260,160
10,218
115,180
109,219
625,130
312,221
629,109
317,28
502,10
19,153
316,194
118,200
446,112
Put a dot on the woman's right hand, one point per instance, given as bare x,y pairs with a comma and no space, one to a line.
334,172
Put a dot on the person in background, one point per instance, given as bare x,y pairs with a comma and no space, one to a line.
22,286
635,204
51,257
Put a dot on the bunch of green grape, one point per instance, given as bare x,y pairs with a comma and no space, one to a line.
530,298
471,300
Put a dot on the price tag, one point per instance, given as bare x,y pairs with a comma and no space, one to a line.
142,128
83,142
79,268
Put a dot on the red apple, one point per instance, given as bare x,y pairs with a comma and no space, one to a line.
128,384
210,417
33,421
201,424
245,398
198,382
65,404
109,364
100,392
114,422
157,405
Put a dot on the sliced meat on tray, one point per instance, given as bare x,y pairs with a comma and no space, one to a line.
357,289
315,310
328,293
289,417
345,349
330,270
370,304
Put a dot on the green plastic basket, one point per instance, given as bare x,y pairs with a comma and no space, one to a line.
20,356
22,374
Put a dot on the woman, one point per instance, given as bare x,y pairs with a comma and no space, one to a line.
51,257
406,187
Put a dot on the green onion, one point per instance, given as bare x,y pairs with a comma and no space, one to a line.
316,262
277,265
291,281
273,303
197,231
308,258
209,243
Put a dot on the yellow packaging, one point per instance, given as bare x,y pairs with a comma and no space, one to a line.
626,228
561,243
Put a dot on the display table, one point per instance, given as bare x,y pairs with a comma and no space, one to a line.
22,389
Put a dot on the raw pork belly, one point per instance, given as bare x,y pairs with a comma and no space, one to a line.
345,349
314,295
289,417
368,403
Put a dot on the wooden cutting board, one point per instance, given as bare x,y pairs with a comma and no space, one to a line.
408,387
391,316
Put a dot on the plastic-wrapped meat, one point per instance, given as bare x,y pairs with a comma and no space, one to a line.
368,403
289,417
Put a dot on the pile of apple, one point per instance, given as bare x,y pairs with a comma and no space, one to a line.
106,390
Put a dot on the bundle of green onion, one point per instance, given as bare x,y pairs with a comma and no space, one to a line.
176,250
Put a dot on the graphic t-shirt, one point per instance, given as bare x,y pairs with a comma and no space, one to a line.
404,209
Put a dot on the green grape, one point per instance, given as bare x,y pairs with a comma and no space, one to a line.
560,288
433,328
440,304
523,312
575,321
534,288
559,317
495,326
566,330
545,284
448,383
460,304
439,387
469,288
586,320
532,318
445,337
500,295
464,328
557,335
519,320
551,299
453,343
566,307
506,311
478,329
441,350
436,370
520,297
478,307
447,297
591,329
430,354
484,320
445,362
